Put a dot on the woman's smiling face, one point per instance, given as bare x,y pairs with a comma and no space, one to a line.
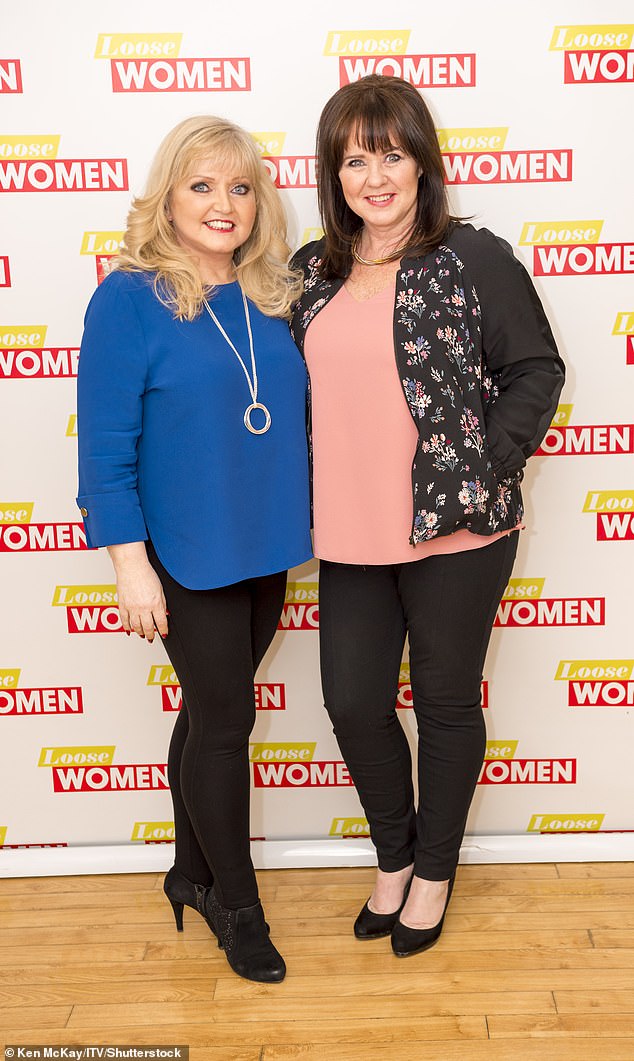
212,211
381,187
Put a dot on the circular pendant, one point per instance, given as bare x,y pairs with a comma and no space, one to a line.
247,418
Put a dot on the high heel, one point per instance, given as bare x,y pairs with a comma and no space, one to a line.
243,935
183,892
406,941
375,926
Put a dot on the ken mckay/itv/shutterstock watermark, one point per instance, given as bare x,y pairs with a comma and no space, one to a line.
85,1052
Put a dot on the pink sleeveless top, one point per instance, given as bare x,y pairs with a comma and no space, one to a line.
364,439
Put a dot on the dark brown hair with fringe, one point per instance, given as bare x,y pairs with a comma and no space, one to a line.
380,113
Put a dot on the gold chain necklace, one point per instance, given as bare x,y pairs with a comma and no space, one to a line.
372,261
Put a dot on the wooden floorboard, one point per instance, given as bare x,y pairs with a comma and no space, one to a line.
536,963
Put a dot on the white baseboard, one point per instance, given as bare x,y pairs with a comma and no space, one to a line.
292,854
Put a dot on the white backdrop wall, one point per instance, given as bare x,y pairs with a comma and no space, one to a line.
534,116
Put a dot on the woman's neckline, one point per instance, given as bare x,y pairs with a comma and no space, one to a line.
387,289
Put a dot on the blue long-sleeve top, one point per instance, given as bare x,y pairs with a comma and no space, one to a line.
163,449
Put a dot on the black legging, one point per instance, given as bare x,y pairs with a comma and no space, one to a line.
217,638
446,605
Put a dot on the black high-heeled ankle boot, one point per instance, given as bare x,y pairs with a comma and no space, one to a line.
406,941
183,892
244,937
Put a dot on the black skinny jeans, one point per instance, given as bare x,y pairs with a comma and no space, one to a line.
216,641
447,606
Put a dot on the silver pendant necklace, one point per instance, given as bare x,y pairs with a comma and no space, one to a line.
252,383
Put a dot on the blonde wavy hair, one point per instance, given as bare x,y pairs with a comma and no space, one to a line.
149,243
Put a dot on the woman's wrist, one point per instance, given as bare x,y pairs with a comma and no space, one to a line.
128,555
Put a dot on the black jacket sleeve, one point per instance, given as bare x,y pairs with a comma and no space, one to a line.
518,347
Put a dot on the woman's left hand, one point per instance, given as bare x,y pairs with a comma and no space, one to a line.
139,591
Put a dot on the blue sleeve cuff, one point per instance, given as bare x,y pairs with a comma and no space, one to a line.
112,519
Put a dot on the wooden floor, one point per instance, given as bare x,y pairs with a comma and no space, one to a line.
536,961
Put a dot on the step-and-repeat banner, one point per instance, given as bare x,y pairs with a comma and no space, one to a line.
534,119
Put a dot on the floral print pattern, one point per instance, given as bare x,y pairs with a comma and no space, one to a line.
448,388
416,395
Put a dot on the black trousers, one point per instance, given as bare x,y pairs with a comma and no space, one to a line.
217,638
446,605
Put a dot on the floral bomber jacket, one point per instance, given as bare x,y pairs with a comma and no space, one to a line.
480,372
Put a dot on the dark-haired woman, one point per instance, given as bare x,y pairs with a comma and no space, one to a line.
434,376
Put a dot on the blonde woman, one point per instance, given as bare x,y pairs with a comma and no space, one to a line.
193,471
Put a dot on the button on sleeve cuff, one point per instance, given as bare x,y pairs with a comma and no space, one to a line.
112,519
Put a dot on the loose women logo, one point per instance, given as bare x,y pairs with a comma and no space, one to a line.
138,45
269,696
42,537
282,753
363,52
24,356
615,514
181,75
523,588
500,749
367,42
467,165
153,832
269,143
349,828
564,440
595,54
16,512
103,246
292,171
10,76
583,259
333,774
17,335
519,608
76,755
24,847
5,272
16,145
565,823
129,777
489,138
54,700
560,232
33,166
598,682
147,62
510,771
301,608
90,609
90,769
286,171
624,325
9,677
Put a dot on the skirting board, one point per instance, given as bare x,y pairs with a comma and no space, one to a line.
305,854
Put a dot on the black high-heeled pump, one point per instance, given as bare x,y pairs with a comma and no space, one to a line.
244,936
183,892
375,926
406,941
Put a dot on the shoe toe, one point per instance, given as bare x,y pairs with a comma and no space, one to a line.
374,926
265,968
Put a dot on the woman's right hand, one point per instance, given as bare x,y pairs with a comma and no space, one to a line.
139,591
